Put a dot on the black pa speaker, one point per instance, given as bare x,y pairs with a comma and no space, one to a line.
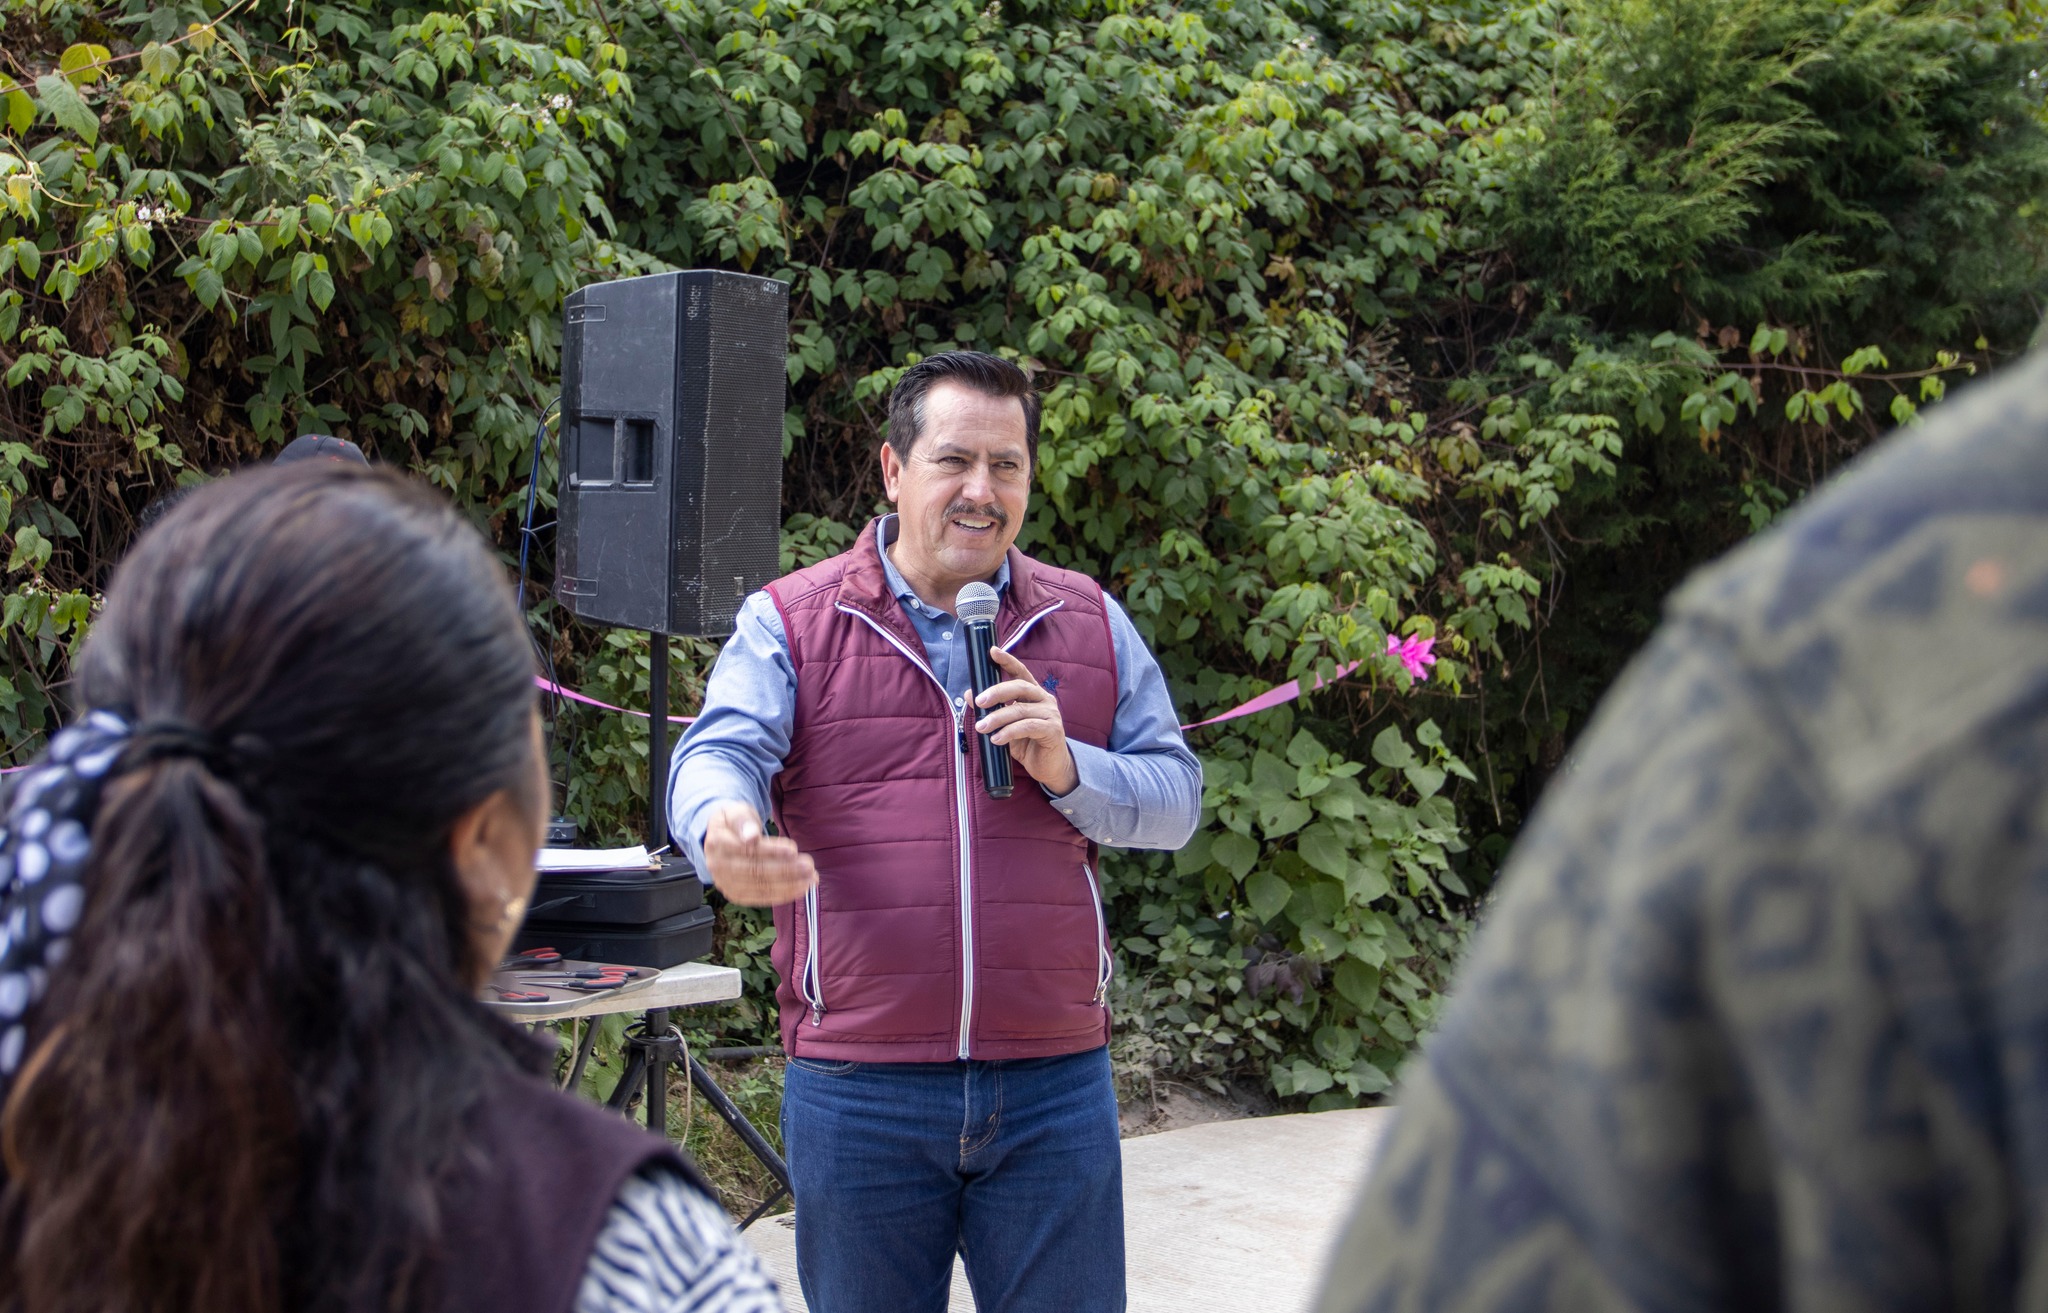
671,492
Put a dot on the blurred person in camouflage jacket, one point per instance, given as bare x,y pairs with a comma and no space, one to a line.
1760,1019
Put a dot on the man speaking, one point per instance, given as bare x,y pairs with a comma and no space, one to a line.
942,954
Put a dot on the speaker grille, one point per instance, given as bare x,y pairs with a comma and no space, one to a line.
741,327
673,389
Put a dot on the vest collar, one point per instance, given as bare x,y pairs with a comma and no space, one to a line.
865,587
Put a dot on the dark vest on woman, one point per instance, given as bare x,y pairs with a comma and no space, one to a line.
522,1213
945,923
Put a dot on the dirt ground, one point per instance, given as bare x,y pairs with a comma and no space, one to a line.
1173,1105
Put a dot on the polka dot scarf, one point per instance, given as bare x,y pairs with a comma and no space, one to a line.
45,841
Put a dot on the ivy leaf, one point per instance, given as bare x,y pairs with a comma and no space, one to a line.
1194,855
21,111
1426,780
1319,943
1358,984
206,285
1233,852
1338,1045
1303,750
159,61
1284,818
1369,1079
1269,895
30,549
1310,1079
82,64
1437,814
1366,881
1321,847
1390,749
1342,800
1389,820
67,109
1271,775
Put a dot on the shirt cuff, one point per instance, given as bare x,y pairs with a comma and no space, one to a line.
1087,806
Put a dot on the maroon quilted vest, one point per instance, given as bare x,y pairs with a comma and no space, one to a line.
945,924
524,1210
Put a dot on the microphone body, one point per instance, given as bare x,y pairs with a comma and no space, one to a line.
995,758
976,608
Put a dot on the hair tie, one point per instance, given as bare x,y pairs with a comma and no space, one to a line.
160,740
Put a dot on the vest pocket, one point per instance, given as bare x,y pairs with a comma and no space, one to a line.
1104,962
809,974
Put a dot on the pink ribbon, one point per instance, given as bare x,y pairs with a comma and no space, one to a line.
1265,701
1271,698
571,694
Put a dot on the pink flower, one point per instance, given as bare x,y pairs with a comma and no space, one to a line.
1414,654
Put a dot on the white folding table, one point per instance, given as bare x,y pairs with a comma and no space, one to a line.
653,1045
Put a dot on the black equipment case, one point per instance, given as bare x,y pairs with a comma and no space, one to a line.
616,897
633,918
669,942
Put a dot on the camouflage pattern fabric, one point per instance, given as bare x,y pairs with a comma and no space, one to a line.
1760,1018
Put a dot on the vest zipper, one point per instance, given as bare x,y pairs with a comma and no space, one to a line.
961,803
1104,963
960,788
808,980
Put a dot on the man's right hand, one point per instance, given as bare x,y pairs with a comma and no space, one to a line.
750,867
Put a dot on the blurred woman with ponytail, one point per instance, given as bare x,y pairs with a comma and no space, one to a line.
246,902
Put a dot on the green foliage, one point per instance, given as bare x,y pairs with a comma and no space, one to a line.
1803,162
1353,319
1786,227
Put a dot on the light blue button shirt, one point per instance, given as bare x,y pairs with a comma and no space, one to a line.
1143,791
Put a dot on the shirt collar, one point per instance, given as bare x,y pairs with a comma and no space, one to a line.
885,533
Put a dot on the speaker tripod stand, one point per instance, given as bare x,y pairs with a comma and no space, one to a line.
654,1044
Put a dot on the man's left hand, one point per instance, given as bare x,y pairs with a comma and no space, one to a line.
1027,721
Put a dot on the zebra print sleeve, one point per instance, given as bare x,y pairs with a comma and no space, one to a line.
665,1248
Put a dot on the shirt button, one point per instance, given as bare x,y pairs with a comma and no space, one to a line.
1068,810
947,635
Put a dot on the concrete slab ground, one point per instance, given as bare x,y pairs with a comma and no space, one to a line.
1227,1216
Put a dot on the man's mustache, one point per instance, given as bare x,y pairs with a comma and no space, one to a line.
988,512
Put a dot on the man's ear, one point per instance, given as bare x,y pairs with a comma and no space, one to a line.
892,471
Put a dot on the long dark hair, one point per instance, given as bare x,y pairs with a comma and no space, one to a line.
258,1054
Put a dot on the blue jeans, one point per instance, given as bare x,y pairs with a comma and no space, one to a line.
1015,1164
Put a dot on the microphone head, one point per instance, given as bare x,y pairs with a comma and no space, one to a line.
976,604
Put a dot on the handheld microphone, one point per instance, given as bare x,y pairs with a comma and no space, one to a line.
976,608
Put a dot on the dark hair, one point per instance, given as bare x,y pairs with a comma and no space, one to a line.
989,375
258,1056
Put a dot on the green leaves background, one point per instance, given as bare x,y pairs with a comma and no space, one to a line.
1353,318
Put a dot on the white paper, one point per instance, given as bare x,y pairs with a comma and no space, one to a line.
593,859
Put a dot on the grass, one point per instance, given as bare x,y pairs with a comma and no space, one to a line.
756,1086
